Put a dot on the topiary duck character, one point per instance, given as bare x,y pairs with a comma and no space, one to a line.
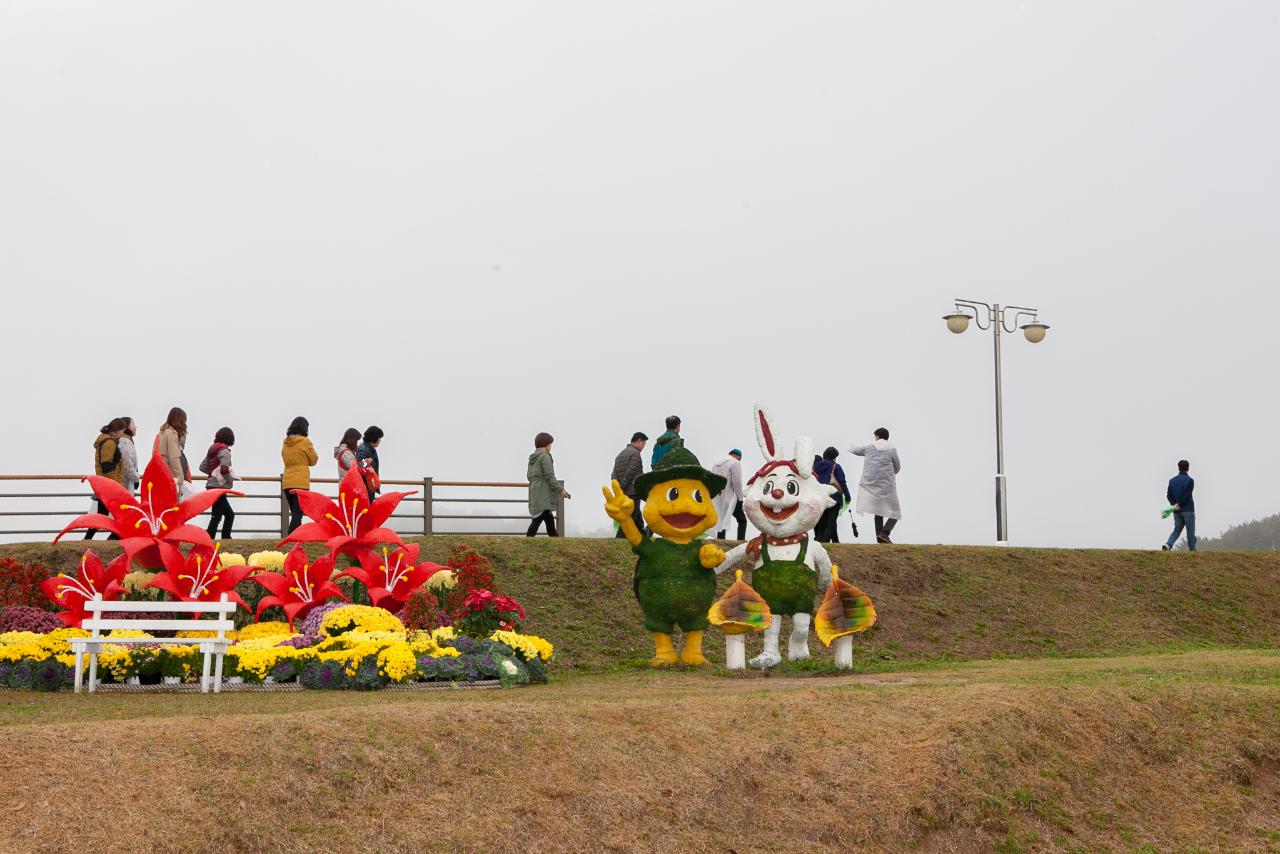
674,580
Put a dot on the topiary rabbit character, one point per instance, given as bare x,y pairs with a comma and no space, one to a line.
784,501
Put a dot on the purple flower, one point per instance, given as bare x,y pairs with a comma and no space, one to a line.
301,641
310,624
20,618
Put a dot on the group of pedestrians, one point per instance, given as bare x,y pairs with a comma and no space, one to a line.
877,491
115,457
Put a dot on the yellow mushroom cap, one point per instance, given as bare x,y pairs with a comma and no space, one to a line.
845,610
740,610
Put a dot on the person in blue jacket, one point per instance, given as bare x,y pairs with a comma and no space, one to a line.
1181,487
827,470
668,441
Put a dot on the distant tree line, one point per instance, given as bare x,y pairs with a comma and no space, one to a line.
1258,535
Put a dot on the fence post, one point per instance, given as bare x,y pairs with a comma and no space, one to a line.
284,515
560,514
427,510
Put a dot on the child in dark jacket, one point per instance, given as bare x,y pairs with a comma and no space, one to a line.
217,464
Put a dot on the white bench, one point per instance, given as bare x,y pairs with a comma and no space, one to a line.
100,621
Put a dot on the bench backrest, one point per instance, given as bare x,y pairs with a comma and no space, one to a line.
103,622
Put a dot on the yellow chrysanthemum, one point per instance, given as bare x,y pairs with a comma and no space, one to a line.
397,662
445,579
272,560
360,618
231,559
273,628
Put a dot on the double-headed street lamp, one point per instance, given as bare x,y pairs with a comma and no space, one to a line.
996,318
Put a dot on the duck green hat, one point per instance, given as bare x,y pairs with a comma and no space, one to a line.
677,465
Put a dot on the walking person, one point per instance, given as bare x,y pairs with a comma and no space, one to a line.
1180,497
107,462
729,501
170,443
367,457
299,455
878,489
345,452
129,455
627,466
668,441
544,487
217,464
829,471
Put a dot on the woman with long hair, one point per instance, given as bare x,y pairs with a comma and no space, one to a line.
171,442
345,452
217,464
108,463
299,455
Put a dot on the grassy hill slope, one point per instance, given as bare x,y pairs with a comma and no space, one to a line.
936,603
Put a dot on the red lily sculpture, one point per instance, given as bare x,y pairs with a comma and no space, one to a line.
198,577
300,586
391,578
155,516
95,580
353,526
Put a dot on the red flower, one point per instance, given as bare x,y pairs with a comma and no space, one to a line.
300,587
95,579
152,518
199,577
353,526
393,576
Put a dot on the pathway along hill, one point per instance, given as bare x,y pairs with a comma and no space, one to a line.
1137,708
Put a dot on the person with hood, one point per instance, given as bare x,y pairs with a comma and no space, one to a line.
827,470
299,455
170,444
107,462
129,455
627,466
878,489
544,487
729,501
668,441
217,464
345,452
367,458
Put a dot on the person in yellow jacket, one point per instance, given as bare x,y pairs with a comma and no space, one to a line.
299,456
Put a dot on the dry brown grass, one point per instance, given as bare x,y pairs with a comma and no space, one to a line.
1170,751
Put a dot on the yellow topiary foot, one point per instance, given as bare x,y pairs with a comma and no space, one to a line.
664,652
692,652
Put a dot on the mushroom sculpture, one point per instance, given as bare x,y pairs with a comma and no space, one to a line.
740,610
844,612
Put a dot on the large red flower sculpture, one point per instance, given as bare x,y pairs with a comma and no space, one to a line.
300,586
155,516
94,580
391,578
198,577
353,526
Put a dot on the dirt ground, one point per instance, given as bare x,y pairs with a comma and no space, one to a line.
1173,752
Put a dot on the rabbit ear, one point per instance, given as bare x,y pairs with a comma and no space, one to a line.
765,434
804,456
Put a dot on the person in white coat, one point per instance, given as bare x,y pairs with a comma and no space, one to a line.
878,489
129,456
729,501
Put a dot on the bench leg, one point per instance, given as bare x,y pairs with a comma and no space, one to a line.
217,675
79,670
204,677
93,671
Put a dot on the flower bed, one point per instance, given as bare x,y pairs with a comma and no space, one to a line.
357,656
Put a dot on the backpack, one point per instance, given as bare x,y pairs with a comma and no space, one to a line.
110,465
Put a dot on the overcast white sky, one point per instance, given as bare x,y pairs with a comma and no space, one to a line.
468,222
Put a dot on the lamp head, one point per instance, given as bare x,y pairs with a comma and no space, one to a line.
1034,332
957,321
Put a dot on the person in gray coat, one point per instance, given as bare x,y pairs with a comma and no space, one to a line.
627,466
544,488
878,490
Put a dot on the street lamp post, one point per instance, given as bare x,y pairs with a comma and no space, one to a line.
996,318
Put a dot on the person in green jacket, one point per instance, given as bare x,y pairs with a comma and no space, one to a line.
545,489
673,581
668,441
